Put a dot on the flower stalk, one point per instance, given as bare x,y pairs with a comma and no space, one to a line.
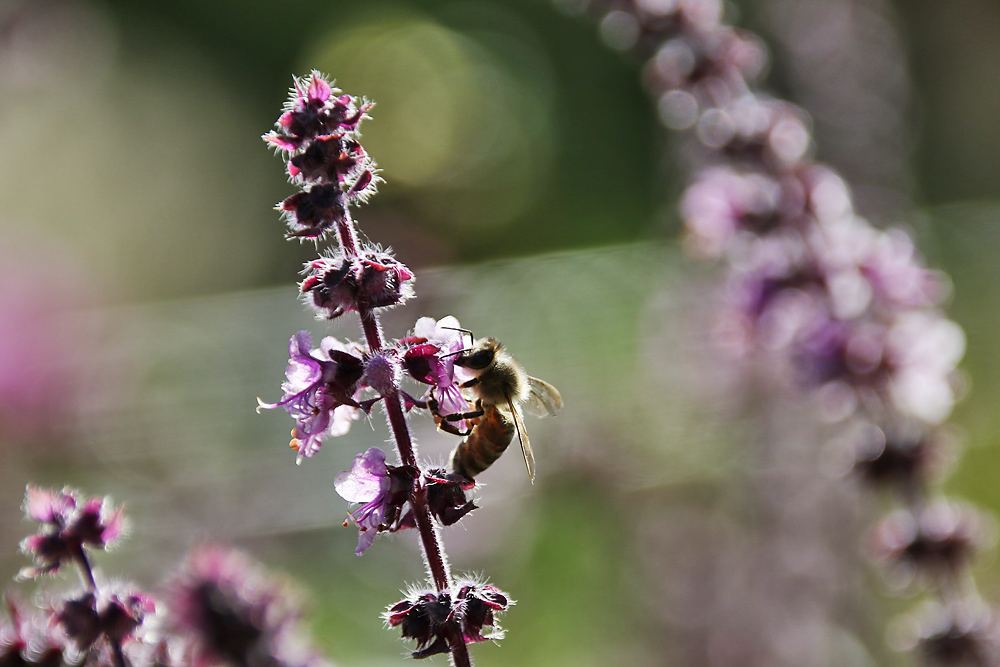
218,609
437,565
327,388
834,306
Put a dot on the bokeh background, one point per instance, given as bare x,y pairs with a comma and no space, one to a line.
146,295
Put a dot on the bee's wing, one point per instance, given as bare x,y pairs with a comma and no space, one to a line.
522,435
543,399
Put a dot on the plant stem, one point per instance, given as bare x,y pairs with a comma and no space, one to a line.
86,572
433,553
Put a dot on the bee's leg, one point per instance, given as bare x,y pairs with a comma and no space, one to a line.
448,427
446,422
459,416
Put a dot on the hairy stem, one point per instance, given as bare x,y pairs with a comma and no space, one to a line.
118,654
433,553
86,572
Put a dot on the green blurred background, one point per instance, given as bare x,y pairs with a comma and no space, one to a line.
148,296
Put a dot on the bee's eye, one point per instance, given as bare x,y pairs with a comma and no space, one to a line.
478,360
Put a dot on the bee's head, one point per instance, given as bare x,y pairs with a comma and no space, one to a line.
480,355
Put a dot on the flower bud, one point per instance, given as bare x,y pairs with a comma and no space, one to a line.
439,620
337,284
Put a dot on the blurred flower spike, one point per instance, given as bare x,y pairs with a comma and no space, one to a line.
963,633
908,462
381,489
820,299
321,391
318,131
229,612
29,638
69,525
937,542
851,307
439,621
116,616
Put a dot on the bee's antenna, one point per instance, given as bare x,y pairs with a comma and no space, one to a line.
471,336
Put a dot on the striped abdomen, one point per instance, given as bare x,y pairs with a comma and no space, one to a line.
489,438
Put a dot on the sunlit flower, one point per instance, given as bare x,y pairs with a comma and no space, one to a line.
330,158
379,488
320,391
312,212
314,108
429,357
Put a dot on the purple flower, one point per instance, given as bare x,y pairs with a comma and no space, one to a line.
318,131
712,68
430,358
723,202
320,391
438,620
893,267
754,130
923,349
68,526
381,489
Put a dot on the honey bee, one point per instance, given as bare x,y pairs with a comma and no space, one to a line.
500,387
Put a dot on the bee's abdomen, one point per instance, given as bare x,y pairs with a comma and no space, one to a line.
488,440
